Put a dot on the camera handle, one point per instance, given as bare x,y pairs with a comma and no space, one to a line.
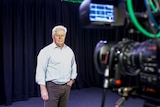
120,102
124,92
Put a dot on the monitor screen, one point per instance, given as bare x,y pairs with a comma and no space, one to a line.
103,13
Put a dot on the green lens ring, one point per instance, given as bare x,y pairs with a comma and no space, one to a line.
137,24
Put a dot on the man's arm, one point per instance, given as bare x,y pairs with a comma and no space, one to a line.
40,74
44,92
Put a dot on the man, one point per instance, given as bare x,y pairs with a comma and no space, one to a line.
56,70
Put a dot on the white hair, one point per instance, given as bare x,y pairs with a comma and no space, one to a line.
59,27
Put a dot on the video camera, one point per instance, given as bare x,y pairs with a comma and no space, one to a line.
130,68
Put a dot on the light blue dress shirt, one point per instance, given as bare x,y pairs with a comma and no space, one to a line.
56,65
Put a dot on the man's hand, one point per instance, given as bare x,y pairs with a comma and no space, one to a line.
44,92
70,82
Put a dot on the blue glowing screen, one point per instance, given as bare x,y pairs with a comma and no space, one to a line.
101,13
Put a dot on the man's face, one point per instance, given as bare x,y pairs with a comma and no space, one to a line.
59,38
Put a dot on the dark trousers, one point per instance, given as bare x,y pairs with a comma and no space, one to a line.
58,95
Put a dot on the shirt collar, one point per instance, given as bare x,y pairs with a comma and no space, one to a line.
55,46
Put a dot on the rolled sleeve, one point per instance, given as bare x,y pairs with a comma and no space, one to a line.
74,69
42,61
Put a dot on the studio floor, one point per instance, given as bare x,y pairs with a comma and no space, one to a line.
86,97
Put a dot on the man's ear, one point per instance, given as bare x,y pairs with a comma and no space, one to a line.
53,37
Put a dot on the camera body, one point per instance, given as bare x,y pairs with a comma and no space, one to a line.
132,65
130,68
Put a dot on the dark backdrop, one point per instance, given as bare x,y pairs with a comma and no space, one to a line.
25,27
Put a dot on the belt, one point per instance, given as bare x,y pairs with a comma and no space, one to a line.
56,84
